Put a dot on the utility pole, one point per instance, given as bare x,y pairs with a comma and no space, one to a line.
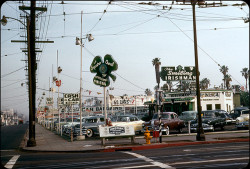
32,66
200,133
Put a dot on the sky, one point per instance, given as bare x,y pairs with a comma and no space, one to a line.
134,34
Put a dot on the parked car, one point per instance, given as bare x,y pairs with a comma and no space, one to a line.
170,121
229,119
128,120
236,112
188,116
243,120
91,125
76,130
66,128
211,119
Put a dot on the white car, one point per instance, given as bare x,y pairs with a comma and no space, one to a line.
128,120
243,120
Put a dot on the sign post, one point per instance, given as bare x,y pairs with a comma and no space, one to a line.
103,71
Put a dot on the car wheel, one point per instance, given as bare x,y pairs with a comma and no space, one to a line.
89,133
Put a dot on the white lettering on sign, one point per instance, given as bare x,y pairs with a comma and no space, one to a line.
110,64
95,66
71,98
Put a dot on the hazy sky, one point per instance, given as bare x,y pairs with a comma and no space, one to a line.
133,34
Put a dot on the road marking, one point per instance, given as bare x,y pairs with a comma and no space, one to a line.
141,166
205,161
12,161
155,163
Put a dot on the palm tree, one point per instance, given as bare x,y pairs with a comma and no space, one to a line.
156,62
204,83
185,85
224,70
227,79
148,92
245,74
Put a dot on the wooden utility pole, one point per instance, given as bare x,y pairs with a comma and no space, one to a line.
200,133
32,66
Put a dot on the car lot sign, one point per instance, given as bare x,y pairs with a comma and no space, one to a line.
103,70
178,73
114,131
71,98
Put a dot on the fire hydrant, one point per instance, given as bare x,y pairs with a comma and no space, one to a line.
147,136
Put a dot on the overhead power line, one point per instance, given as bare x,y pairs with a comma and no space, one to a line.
12,72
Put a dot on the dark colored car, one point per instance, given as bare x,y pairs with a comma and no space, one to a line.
236,112
211,119
91,125
170,121
188,116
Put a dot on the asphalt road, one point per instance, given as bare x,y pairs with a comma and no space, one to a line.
11,136
223,156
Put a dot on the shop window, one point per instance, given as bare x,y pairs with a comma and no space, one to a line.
209,106
217,106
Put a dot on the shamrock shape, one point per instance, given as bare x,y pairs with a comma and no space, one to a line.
103,70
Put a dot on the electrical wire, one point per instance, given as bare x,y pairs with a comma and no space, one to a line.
11,72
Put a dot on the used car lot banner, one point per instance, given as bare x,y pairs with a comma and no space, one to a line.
114,131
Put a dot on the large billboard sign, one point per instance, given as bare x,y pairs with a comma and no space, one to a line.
179,73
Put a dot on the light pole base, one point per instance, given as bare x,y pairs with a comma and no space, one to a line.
31,143
80,137
200,137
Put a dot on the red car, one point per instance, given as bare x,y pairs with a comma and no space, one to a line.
170,121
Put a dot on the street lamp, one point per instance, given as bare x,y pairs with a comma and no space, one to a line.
31,69
79,42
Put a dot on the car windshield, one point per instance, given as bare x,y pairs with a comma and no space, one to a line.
187,114
245,112
208,114
163,116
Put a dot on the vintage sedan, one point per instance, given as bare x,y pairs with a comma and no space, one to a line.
243,121
187,116
91,125
128,120
169,120
211,119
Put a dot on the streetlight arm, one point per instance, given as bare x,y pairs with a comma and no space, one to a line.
4,20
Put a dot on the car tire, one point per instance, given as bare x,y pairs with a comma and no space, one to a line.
89,133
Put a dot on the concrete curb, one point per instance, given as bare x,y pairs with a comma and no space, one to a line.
141,147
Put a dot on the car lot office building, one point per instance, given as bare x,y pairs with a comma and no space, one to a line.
211,99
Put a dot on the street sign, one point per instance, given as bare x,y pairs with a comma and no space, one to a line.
58,83
179,73
71,98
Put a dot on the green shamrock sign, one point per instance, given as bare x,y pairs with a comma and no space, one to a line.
103,70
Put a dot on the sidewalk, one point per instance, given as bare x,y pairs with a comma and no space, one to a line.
48,141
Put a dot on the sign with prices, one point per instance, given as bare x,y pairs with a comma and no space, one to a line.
71,98
115,131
